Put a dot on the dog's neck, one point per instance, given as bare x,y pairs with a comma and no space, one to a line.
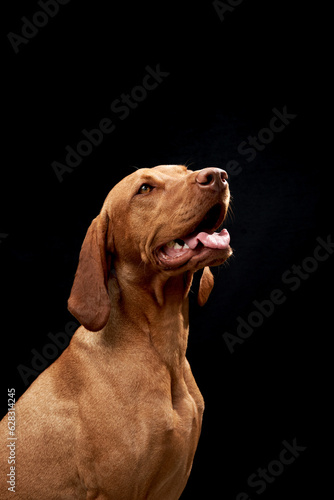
158,311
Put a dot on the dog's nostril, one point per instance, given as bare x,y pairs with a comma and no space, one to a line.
208,180
223,176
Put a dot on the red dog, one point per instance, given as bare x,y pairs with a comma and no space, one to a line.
118,415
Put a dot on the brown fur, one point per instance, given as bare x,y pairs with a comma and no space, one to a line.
118,415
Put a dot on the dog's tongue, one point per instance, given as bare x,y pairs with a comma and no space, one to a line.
216,240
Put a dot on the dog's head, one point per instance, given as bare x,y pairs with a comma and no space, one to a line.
162,220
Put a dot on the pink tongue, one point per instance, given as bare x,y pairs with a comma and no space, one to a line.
216,240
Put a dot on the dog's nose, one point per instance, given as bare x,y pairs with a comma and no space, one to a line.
212,178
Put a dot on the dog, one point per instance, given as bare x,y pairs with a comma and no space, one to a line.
118,415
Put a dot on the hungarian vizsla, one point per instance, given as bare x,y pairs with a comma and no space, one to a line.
118,415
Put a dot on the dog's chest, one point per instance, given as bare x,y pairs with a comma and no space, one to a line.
154,439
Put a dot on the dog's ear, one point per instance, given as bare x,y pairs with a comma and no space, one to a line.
89,300
205,286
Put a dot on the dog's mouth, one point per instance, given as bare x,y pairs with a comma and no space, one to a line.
201,243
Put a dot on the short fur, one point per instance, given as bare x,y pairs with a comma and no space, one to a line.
118,415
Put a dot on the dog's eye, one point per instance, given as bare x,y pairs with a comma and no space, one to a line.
145,188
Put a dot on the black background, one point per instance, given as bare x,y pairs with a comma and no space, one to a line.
225,78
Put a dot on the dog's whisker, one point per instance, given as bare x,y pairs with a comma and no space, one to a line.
188,163
230,217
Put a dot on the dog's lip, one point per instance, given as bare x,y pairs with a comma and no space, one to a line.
202,240
176,261
199,253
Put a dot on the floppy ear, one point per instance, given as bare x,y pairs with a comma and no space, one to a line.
205,286
89,300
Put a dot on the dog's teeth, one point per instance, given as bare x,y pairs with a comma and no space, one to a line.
177,246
